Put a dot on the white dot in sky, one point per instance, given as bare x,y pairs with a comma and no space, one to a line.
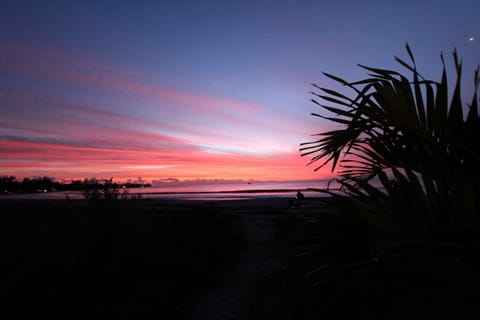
471,39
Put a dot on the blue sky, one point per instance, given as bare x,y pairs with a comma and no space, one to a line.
197,89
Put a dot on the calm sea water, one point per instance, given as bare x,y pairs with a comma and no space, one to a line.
204,191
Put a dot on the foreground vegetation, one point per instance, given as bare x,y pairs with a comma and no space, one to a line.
404,240
329,273
121,258
414,141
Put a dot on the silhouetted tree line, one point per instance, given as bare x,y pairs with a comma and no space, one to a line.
10,184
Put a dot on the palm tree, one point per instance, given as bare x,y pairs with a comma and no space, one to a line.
407,136
408,162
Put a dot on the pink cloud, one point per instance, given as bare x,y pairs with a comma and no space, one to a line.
214,112
69,119
62,68
70,136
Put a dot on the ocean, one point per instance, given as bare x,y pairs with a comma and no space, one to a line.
200,190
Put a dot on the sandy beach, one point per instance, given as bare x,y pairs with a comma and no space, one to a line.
239,292
201,259
242,293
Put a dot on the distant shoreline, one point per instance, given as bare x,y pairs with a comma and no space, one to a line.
220,195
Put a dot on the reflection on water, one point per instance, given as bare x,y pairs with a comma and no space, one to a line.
213,191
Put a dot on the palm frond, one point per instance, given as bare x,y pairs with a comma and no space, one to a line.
408,136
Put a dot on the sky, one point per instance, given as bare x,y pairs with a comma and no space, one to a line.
198,89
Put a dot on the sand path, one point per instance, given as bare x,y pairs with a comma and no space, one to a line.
238,296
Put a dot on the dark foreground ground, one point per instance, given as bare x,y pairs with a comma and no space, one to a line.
125,259
248,259
159,259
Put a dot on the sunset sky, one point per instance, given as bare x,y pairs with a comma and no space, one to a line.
197,89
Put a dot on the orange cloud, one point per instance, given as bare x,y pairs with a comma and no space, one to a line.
69,161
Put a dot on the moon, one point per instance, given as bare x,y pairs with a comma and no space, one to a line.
471,39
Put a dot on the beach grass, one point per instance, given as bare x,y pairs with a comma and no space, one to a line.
120,259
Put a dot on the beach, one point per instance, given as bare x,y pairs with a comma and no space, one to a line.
236,242
255,258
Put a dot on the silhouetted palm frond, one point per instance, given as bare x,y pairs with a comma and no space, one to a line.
405,153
